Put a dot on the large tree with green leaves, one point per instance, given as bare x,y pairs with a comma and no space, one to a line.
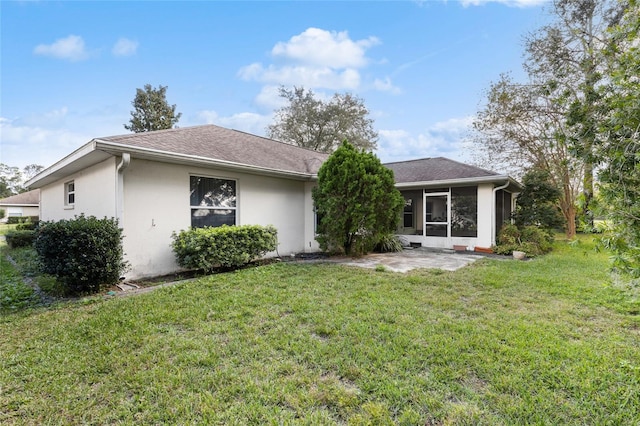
12,178
620,150
356,201
151,111
567,54
549,122
312,123
522,126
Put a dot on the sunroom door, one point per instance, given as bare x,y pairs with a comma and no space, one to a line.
437,213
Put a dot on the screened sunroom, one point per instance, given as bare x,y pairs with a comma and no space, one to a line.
449,204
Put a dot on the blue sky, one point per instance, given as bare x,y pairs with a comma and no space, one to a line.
69,70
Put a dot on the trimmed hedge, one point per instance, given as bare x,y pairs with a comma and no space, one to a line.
12,220
28,225
20,238
82,253
225,246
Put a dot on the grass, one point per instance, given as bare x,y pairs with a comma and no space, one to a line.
14,293
4,228
547,341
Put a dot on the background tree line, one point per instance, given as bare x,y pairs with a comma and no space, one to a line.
576,118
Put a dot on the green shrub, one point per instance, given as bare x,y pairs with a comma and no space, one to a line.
82,253
509,235
532,240
28,225
12,220
20,238
224,246
388,243
2,212
540,239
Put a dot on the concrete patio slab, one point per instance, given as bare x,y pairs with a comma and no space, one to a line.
408,260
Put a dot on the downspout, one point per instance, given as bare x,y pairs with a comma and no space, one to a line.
124,163
493,212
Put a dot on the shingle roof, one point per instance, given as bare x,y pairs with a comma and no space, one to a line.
26,198
218,143
435,169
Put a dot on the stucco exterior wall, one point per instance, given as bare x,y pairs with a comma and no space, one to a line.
95,192
20,211
310,243
156,204
486,205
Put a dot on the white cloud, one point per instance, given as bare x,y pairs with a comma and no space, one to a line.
386,86
323,48
309,77
443,139
71,48
512,3
245,121
269,97
315,59
124,47
24,144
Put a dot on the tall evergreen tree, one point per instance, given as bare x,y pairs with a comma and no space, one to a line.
151,111
356,201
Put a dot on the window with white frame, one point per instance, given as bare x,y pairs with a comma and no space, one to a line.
69,193
213,201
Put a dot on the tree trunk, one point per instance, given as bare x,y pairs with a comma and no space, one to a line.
571,222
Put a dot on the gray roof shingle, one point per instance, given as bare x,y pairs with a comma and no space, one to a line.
219,143
26,198
435,169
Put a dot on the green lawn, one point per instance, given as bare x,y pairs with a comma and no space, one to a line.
4,228
547,341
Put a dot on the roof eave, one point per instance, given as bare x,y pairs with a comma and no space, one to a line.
177,158
45,176
460,181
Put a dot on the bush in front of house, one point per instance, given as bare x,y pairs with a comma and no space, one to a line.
224,246
28,225
83,253
532,240
20,238
388,243
12,220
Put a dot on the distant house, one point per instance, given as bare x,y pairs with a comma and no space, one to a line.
24,205
448,203
157,183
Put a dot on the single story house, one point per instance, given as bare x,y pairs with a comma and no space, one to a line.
158,183
26,204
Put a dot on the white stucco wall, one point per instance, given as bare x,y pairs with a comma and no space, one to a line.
156,204
95,192
486,204
20,211
310,243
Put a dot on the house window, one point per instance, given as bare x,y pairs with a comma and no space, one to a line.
213,201
464,212
69,193
407,221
